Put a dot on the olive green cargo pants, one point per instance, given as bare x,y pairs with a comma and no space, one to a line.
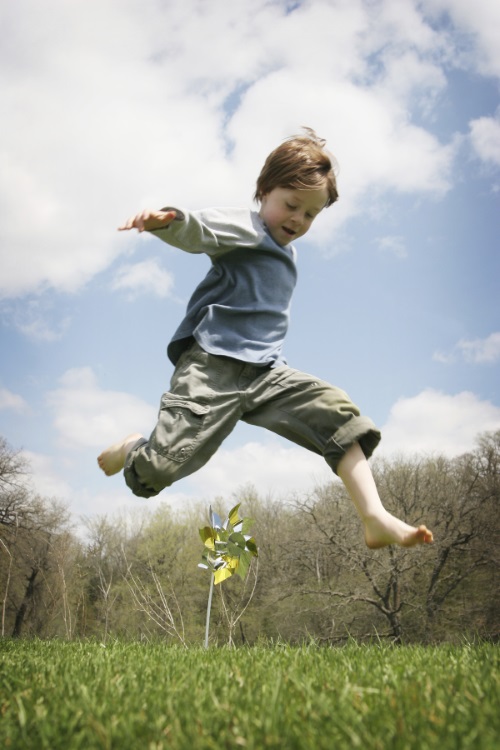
209,394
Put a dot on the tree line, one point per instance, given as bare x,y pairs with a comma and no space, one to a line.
138,577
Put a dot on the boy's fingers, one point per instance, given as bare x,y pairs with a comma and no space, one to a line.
156,219
134,221
127,226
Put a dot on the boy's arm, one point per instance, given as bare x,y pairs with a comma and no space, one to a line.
150,220
213,231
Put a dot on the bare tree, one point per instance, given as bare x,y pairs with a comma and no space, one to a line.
235,598
409,588
350,575
28,525
6,549
160,606
38,530
105,567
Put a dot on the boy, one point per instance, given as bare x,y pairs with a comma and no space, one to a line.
227,351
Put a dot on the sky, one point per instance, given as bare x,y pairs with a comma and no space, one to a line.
112,106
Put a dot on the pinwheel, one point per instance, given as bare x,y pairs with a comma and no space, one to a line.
228,549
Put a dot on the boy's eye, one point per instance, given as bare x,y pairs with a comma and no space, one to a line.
289,205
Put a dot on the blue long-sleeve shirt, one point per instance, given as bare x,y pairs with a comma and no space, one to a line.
241,309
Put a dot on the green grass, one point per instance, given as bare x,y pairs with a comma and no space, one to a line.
149,696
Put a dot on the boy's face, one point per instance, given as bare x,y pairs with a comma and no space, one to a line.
288,213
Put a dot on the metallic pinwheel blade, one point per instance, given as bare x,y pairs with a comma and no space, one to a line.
215,519
238,539
233,516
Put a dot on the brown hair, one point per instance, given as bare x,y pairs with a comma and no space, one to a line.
301,162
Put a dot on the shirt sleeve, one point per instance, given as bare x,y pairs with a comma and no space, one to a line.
213,231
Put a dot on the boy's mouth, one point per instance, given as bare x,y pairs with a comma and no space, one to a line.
290,232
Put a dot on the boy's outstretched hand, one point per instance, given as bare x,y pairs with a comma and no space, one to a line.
148,220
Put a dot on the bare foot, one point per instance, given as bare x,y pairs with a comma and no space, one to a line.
112,460
387,529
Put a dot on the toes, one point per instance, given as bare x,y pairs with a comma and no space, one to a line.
103,465
424,535
428,536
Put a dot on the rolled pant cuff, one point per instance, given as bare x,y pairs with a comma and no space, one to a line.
130,475
357,430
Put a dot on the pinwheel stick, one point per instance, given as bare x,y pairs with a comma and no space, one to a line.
209,609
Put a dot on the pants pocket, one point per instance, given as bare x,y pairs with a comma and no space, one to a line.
180,423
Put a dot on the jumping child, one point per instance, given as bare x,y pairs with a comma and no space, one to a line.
227,351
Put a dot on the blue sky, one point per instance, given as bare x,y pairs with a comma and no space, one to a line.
110,107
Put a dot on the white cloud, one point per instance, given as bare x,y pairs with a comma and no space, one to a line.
481,350
436,422
9,400
111,106
36,317
446,358
45,477
479,20
271,466
114,501
394,245
87,416
485,138
40,329
476,351
146,277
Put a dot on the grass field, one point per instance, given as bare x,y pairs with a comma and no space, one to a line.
128,695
